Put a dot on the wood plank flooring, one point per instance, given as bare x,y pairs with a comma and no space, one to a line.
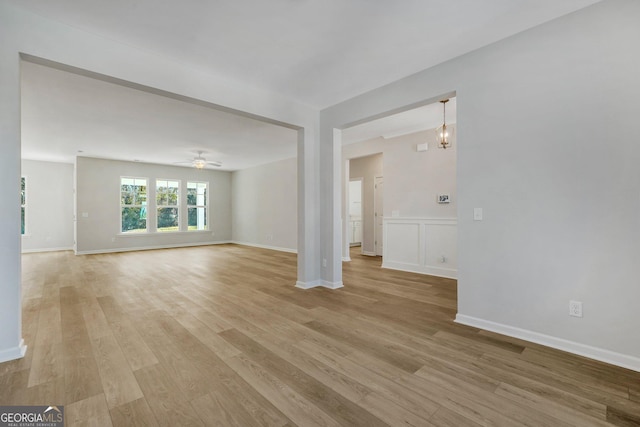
219,336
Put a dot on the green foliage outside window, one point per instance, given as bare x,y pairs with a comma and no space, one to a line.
197,205
133,201
133,204
167,202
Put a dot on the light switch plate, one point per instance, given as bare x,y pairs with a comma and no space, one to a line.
477,214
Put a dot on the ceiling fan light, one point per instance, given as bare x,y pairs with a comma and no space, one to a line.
199,163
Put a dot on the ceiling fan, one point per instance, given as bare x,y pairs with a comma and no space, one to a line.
200,162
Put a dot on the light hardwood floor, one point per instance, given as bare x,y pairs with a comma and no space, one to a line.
219,336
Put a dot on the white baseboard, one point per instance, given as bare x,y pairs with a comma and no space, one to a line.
308,285
602,355
149,248
319,283
367,253
13,353
273,248
332,285
346,259
449,273
32,251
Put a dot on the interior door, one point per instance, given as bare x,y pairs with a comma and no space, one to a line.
378,193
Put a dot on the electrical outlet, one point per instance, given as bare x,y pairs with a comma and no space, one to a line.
575,308
324,262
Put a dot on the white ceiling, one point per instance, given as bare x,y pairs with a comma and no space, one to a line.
64,113
317,52
411,121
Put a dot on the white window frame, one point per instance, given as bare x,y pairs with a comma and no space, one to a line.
205,205
134,233
177,206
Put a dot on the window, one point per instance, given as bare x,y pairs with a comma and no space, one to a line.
197,205
167,202
133,204
23,204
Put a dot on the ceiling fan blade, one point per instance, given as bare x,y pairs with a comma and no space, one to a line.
216,164
183,163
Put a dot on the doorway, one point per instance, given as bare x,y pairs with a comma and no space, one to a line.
355,212
365,170
413,222
378,195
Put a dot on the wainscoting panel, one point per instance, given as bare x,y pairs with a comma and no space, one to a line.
421,245
402,243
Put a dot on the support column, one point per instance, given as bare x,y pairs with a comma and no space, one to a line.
346,247
11,343
331,193
308,210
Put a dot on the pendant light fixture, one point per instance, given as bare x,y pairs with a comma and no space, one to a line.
443,133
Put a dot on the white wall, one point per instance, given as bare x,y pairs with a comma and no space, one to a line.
98,195
367,168
547,146
264,200
49,210
11,344
413,179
